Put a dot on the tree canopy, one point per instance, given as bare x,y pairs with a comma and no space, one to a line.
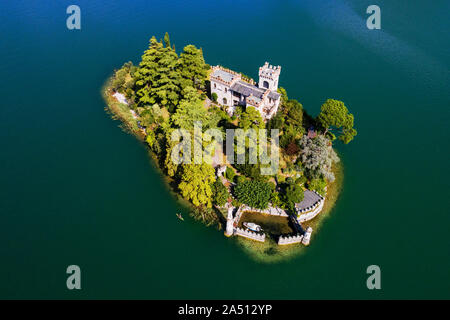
294,194
220,193
192,67
317,157
195,185
334,113
251,118
253,193
190,109
162,75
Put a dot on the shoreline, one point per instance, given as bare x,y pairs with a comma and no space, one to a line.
270,252
262,252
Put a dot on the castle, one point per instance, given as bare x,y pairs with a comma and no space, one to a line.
232,90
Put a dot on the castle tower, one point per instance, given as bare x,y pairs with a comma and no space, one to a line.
307,236
229,232
268,77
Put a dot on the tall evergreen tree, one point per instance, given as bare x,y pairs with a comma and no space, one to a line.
167,40
192,67
196,183
146,74
158,79
167,85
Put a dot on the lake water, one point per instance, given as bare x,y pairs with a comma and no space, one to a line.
75,189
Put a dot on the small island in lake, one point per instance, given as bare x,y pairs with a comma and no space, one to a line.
241,154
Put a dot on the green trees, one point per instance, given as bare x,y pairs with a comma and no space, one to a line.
251,118
195,185
294,194
162,76
123,79
292,113
157,79
119,79
220,193
167,92
334,113
229,174
192,67
253,193
318,185
167,40
317,157
190,109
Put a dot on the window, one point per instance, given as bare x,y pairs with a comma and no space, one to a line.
215,86
266,84
224,100
226,90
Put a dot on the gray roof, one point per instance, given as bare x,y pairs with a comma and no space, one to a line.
246,89
274,95
310,199
226,76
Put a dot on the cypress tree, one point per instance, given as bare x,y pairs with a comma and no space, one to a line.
167,40
192,67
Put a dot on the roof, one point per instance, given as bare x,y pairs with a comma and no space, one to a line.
224,75
246,89
310,199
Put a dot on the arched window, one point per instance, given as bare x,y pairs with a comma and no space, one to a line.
224,100
266,84
215,86
226,90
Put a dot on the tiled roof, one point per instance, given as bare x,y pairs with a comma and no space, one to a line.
246,89
309,200
224,75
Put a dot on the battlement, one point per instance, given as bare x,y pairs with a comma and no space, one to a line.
250,234
283,240
225,76
268,76
269,72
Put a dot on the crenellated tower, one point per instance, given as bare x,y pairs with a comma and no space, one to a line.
268,77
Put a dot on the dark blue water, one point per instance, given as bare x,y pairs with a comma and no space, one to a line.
77,190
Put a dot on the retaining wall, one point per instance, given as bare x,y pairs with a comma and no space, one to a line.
290,239
250,234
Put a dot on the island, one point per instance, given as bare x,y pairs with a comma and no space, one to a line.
240,154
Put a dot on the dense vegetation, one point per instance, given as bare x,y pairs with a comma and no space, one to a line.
169,91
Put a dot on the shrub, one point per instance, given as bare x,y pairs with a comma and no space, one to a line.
214,97
318,185
294,194
220,193
240,179
300,181
253,193
229,174
292,148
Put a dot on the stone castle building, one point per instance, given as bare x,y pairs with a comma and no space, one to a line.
233,90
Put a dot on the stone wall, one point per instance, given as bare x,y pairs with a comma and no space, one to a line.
250,234
310,212
290,239
222,91
270,210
